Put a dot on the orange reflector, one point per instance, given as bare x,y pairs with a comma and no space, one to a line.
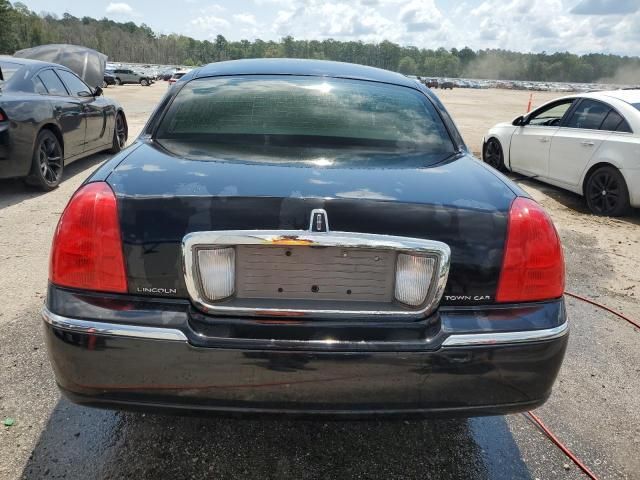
291,241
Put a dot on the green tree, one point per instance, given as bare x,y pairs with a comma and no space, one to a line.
221,47
7,36
407,66
466,56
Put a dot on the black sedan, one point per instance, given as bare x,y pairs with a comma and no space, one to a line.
48,118
291,236
109,79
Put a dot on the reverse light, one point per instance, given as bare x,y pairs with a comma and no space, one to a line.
217,272
533,264
413,278
87,247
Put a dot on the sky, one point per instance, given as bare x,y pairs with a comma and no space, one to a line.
579,26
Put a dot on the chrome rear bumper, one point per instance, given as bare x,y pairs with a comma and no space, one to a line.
142,367
75,325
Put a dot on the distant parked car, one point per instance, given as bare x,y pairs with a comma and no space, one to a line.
177,76
431,83
49,118
124,76
447,84
585,143
109,79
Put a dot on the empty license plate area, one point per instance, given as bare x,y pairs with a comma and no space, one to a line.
315,273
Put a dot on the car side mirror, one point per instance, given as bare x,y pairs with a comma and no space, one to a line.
97,92
519,121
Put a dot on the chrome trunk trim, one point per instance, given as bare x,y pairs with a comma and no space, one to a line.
114,329
494,338
213,239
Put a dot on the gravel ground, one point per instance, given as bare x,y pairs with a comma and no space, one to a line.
593,408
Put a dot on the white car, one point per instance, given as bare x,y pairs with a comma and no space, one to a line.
177,76
587,143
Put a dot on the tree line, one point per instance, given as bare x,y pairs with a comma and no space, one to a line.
128,42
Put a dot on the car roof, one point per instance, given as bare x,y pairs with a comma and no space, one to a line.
29,67
27,61
291,66
629,96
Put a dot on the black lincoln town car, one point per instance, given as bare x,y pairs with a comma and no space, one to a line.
306,237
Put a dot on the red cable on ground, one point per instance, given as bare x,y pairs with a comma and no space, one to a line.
532,417
561,446
596,304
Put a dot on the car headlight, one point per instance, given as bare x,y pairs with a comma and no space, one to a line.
217,272
413,278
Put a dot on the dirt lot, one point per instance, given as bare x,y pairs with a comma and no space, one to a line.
475,111
594,407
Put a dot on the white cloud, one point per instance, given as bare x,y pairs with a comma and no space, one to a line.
245,18
544,25
420,15
310,19
210,22
213,8
606,7
522,25
119,8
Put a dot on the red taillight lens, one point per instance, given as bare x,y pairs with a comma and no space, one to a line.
3,117
87,248
533,265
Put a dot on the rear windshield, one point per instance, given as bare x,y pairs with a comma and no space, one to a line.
8,69
304,111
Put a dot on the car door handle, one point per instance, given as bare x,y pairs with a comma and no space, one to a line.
587,143
544,139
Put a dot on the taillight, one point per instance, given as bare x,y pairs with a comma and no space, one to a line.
87,248
533,265
3,117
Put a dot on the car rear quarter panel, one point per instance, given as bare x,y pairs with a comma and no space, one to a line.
621,150
27,115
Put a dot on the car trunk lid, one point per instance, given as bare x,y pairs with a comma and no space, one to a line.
166,192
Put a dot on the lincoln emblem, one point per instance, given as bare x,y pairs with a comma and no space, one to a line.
319,221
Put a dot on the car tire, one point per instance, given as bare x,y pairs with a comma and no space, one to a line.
119,134
118,81
144,82
493,155
47,162
606,192
104,84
